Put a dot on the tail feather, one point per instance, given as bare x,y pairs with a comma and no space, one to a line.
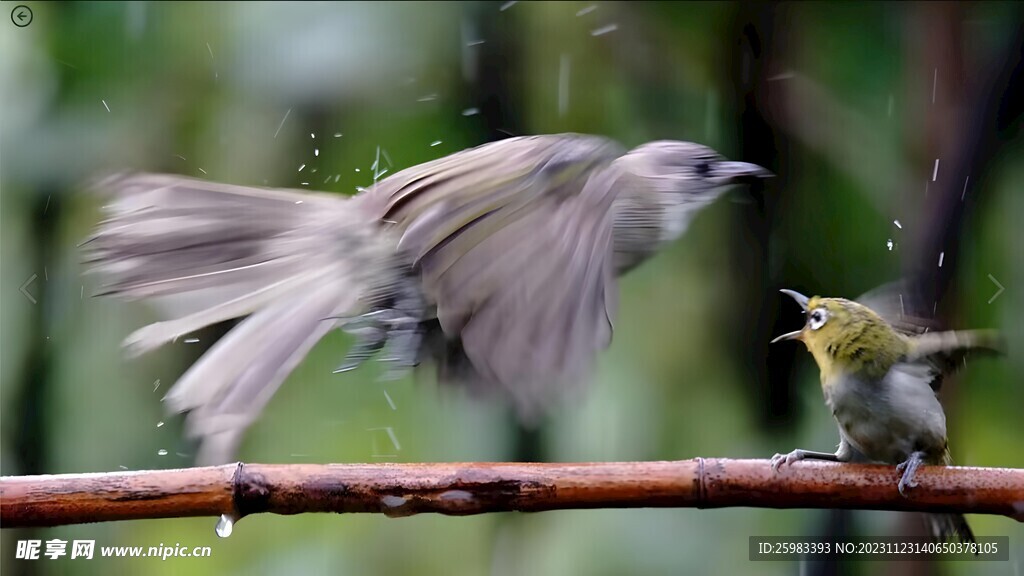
270,332
168,234
946,527
159,333
233,382
205,252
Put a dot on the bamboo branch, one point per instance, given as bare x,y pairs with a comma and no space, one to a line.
240,489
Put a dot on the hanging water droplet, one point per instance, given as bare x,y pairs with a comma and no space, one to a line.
225,524
161,452
889,244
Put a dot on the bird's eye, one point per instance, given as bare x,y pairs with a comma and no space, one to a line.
817,318
703,168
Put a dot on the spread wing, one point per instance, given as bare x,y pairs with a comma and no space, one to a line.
933,353
513,242
946,352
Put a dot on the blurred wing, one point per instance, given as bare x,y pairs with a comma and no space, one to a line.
933,353
946,352
899,304
513,240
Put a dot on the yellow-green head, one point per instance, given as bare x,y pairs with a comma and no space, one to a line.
846,337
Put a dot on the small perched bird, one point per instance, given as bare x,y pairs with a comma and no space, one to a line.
881,385
497,262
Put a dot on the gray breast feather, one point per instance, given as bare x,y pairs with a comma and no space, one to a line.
890,419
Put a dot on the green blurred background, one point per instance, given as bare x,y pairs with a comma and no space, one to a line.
849,104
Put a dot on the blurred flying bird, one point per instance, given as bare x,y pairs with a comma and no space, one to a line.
498,263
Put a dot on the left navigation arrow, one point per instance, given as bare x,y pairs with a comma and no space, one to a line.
24,287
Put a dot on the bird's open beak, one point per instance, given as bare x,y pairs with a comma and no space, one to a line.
802,301
726,172
800,298
794,335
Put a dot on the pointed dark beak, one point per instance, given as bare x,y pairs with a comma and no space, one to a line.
736,172
802,301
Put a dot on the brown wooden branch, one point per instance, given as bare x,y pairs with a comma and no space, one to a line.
475,488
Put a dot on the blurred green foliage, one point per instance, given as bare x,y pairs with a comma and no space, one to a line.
248,93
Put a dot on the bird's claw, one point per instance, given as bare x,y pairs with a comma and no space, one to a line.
909,469
392,329
787,459
906,484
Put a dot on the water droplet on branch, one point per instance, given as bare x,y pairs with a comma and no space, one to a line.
225,524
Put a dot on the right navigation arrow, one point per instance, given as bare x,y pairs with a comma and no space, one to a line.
996,282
